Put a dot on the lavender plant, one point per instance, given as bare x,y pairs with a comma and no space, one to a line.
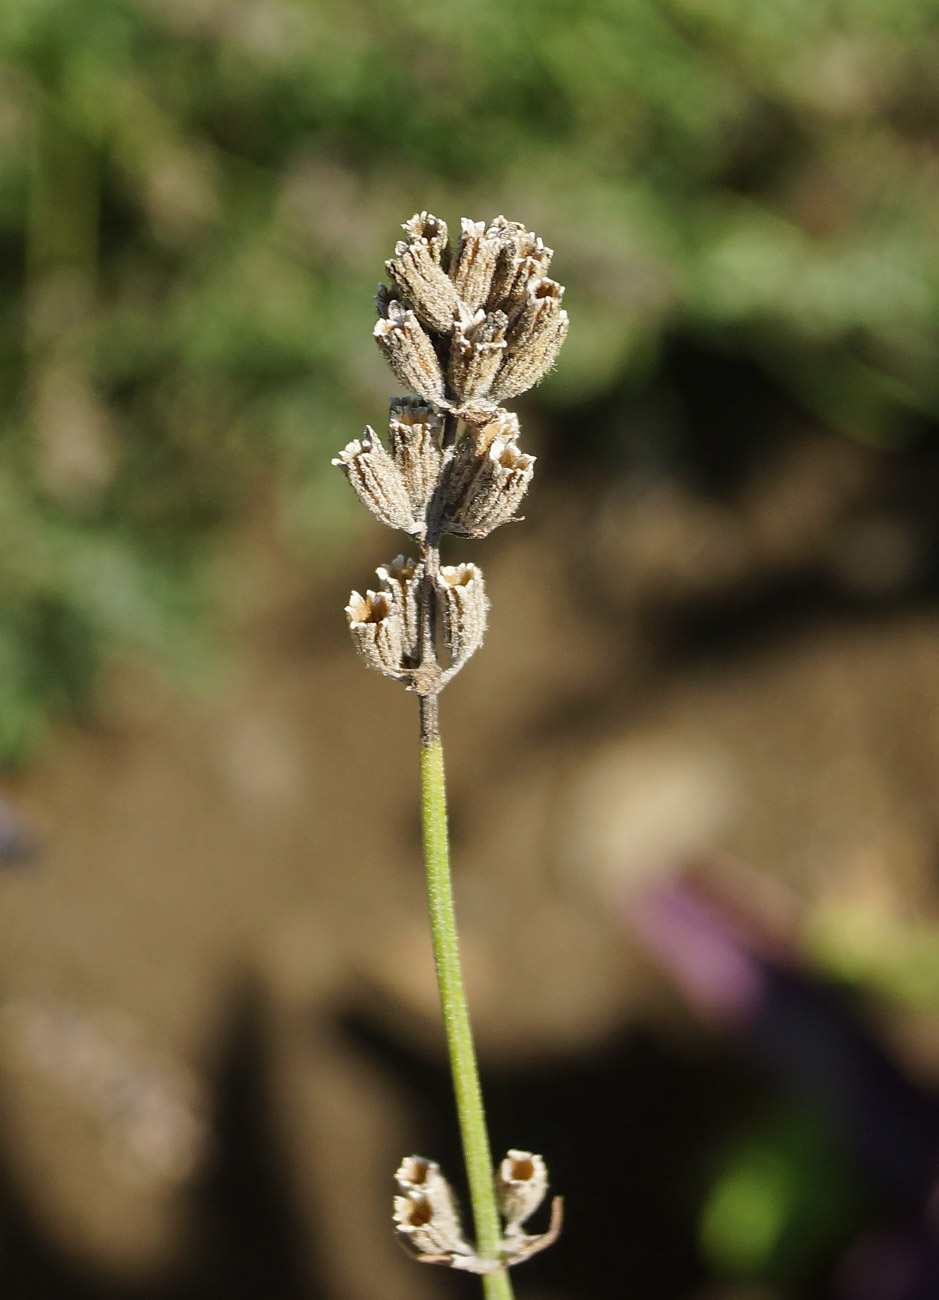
464,331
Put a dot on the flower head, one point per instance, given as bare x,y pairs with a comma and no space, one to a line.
464,329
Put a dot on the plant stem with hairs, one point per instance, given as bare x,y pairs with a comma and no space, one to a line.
464,330
463,1067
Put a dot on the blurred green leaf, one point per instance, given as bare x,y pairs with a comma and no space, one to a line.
782,1198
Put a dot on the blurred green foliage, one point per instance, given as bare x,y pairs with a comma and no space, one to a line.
781,1198
196,197
861,941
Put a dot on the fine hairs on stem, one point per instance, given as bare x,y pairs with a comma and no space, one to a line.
463,330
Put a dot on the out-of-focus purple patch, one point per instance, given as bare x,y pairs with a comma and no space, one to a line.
814,1041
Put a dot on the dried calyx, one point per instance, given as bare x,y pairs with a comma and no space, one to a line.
464,329
428,1221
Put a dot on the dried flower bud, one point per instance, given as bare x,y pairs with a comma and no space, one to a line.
521,1185
492,267
522,257
536,314
414,431
535,335
377,628
473,265
473,446
475,355
426,1215
419,271
463,607
401,579
434,1237
378,482
408,349
484,489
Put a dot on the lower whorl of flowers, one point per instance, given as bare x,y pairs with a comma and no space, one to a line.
385,624
428,1220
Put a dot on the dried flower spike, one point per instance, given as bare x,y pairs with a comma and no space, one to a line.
463,331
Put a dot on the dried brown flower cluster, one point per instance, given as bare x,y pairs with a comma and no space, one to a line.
464,331
428,1220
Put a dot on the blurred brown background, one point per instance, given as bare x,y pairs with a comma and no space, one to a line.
713,640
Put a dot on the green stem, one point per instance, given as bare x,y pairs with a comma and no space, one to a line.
463,1067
